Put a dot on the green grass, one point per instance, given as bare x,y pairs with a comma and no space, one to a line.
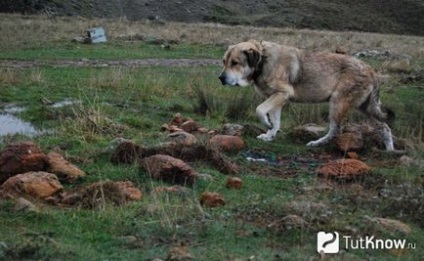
142,99
117,50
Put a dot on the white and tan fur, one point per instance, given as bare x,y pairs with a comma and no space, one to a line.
282,74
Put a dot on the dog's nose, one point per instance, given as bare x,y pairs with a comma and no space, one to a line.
222,78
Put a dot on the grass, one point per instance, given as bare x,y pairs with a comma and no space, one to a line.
134,102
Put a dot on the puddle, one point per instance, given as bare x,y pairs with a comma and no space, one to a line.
64,103
11,125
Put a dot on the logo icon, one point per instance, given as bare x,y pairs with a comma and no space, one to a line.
328,242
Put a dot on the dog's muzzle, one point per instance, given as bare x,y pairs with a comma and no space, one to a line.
223,77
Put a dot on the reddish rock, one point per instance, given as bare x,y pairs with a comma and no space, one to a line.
170,169
22,157
350,141
353,155
33,184
63,169
234,182
343,169
126,152
189,126
226,142
211,200
129,191
183,138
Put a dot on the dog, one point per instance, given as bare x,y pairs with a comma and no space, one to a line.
287,74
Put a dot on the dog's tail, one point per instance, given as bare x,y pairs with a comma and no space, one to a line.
372,106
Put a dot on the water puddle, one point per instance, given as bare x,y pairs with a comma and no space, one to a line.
65,102
11,125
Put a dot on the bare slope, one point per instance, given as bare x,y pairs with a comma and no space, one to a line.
385,16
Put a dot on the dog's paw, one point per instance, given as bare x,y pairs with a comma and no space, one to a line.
265,137
313,143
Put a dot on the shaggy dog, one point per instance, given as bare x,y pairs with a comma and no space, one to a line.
282,74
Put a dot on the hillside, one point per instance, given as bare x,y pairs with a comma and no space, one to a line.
384,16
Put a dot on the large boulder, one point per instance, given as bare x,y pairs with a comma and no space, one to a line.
169,169
32,184
63,169
21,157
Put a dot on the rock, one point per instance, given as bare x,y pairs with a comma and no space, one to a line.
183,138
226,142
169,169
234,182
129,191
350,141
97,195
33,184
232,129
22,157
307,132
189,126
341,49
390,224
343,169
23,204
352,155
126,152
62,168
211,200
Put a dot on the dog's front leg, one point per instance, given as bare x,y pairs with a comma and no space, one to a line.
269,113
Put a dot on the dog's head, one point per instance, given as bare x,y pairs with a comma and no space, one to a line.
240,62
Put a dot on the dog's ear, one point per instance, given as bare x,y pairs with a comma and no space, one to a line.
254,57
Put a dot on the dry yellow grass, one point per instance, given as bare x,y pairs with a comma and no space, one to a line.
20,31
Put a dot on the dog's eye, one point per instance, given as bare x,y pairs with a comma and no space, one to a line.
234,63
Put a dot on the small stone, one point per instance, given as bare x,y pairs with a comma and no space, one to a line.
234,182
211,200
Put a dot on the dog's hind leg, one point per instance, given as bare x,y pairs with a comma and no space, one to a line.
338,109
371,108
269,113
